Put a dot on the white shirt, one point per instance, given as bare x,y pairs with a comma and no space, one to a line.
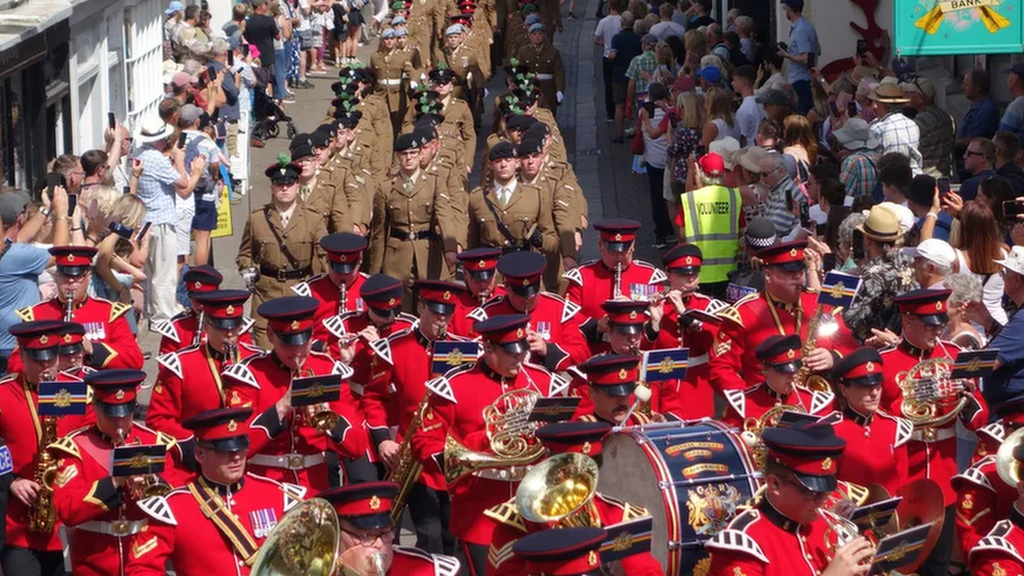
287,214
748,118
504,193
665,29
607,28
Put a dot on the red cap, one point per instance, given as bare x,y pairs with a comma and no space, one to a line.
712,163
119,386
508,330
219,424
38,335
291,317
787,253
480,259
203,278
71,333
578,437
618,230
626,312
924,302
561,551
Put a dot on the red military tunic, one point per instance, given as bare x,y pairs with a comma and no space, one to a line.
20,429
876,449
559,321
329,296
391,400
180,332
189,383
363,362
469,310
409,561
105,521
591,284
511,526
292,451
749,322
106,326
456,407
1001,551
931,452
695,388
983,499
755,401
762,542
179,531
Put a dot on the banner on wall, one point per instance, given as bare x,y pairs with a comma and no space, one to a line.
223,215
948,27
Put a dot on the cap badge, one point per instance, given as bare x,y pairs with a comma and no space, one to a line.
447,295
44,339
792,252
71,257
618,237
481,263
519,333
938,305
632,315
119,395
790,354
826,464
870,366
391,302
374,502
232,426
586,448
592,558
230,309
295,325
689,259
197,285
623,374
342,258
67,338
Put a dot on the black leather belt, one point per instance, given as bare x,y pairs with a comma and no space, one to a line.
282,274
514,248
420,235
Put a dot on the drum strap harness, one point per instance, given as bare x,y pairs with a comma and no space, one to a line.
227,524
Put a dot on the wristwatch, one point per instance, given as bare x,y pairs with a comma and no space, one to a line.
45,212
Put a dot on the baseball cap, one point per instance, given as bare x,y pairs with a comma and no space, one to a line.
939,252
712,163
1017,69
181,79
650,39
189,113
174,7
12,204
1014,261
712,74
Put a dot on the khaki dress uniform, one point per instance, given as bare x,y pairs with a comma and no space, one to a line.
414,223
464,61
452,177
551,15
426,26
562,190
557,150
346,185
546,62
515,34
457,133
376,114
528,209
393,69
266,244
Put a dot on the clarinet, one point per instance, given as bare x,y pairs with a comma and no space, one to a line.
198,336
617,287
69,305
343,299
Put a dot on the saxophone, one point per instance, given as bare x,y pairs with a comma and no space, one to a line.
814,329
43,516
69,305
407,470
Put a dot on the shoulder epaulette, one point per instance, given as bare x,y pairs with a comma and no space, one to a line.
66,444
166,329
25,314
574,275
442,387
738,400
736,541
171,362
247,324
240,372
158,508
744,519
302,288
382,346
820,399
335,325
731,313
904,428
341,368
558,385
478,314
9,378
569,309
976,476
657,276
445,565
117,310
996,430
508,514
293,495
996,541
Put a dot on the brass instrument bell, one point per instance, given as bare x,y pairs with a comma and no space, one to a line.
558,489
304,543
1006,464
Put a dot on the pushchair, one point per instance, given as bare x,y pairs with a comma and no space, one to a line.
267,114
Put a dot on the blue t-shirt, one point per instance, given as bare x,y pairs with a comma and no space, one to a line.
1008,380
19,285
981,121
803,39
1013,118
969,187
627,46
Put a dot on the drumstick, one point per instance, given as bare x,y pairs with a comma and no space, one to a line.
643,394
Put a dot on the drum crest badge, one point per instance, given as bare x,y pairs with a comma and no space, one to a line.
711,508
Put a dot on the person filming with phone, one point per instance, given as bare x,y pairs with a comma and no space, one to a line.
802,53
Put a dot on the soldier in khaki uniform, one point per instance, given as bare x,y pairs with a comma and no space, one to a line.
312,193
515,29
507,213
545,62
426,23
450,177
470,77
451,130
414,224
375,109
402,41
353,184
280,244
393,70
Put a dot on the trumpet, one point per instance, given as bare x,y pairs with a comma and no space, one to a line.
69,305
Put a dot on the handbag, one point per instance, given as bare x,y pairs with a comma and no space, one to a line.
637,145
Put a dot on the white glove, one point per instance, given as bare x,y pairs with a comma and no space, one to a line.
559,96
413,84
486,92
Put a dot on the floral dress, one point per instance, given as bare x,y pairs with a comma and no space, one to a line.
684,141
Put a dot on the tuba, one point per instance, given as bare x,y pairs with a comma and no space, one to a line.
930,398
560,490
43,515
305,543
510,433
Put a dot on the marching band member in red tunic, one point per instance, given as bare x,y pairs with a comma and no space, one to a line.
562,551
284,444
876,442
109,342
344,254
670,327
780,361
102,508
478,273
592,283
189,381
785,307
364,513
216,523
932,449
1001,551
180,331
784,535
27,551
406,363
456,406
71,354
565,438
611,381
553,333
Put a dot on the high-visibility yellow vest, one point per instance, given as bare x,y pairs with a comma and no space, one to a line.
711,216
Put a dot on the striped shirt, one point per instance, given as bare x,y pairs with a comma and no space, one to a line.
859,174
774,206
156,186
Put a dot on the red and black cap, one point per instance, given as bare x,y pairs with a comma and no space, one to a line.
222,429
71,335
290,317
811,451
782,353
382,294
344,250
617,233
480,262
73,260
284,174
39,340
115,391
788,255
203,278
1012,411
522,271
863,367
224,308
580,437
616,374
928,305
366,505
505,330
439,296
561,551
626,316
683,259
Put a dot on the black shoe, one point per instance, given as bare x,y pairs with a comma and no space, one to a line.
618,140
571,16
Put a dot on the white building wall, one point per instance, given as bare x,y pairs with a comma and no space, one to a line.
832,18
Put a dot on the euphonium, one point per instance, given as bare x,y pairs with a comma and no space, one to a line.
560,490
69,305
930,398
1006,464
820,325
43,515
407,470
304,543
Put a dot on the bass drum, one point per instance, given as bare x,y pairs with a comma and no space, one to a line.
692,476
